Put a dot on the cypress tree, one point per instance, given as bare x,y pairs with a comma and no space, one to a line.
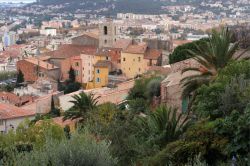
72,76
20,78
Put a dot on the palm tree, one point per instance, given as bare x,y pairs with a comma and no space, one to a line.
213,55
83,104
165,125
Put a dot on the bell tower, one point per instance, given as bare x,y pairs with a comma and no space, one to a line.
107,33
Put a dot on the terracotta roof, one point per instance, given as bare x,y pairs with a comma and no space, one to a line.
122,43
69,50
89,50
103,64
136,48
41,64
152,54
10,53
12,112
14,99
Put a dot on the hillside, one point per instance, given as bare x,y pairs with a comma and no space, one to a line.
111,7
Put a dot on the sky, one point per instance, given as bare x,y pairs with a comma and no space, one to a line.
16,1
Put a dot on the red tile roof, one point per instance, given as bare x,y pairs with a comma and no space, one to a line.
122,43
152,54
69,50
103,63
12,112
41,64
14,99
136,48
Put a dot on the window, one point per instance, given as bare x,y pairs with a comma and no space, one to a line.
77,64
98,79
124,59
128,68
139,69
105,41
98,71
40,74
107,58
105,30
139,59
1,122
150,62
76,72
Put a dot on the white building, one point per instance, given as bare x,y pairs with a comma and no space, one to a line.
9,38
48,32
193,37
11,116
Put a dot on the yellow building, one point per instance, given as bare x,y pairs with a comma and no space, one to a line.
138,58
100,74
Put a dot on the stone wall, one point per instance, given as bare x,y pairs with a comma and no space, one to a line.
43,104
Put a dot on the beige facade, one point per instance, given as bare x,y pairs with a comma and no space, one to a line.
133,64
88,68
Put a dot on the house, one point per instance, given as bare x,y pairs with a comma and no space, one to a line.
171,88
111,54
11,98
11,116
138,58
100,76
68,56
9,56
35,68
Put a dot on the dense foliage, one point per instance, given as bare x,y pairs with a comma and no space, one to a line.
214,132
81,149
182,52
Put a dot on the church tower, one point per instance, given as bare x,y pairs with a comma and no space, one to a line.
107,34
